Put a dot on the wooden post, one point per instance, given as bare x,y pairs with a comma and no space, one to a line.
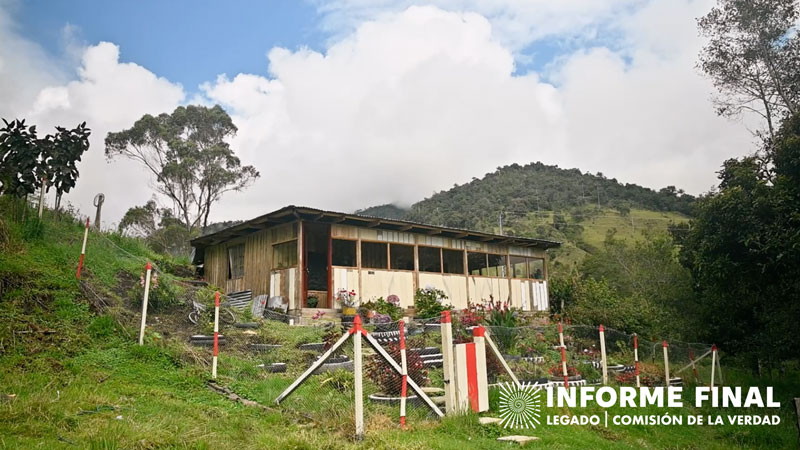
713,362
666,362
603,353
719,369
313,367
447,363
216,336
563,353
359,377
41,196
636,359
148,269
404,366
83,249
479,338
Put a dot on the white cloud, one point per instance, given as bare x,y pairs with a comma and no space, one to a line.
410,101
407,104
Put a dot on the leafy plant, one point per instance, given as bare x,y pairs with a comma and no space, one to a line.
429,303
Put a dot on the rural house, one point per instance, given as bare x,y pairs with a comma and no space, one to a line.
298,252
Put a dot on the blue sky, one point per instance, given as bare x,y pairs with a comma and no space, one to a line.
185,41
376,101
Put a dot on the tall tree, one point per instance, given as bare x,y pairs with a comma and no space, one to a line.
753,58
60,156
187,153
743,250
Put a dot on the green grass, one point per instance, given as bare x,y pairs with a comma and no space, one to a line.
79,381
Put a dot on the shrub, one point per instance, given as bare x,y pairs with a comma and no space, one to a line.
162,293
390,382
429,303
502,318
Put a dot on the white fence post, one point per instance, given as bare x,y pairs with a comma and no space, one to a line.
447,363
563,354
216,336
83,250
666,361
603,353
358,373
636,359
148,269
713,362
404,366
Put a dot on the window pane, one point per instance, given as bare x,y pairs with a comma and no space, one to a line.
453,261
236,261
536,268
497,265
344,253
429,260
373,255
401,257
284,255
476,262
519,267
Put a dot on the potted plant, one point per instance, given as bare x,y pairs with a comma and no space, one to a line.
348,301
312,302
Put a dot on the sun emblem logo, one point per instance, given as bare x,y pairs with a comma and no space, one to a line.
520,405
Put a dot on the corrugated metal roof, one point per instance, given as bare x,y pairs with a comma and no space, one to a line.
292,212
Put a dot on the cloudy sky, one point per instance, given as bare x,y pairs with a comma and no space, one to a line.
351,103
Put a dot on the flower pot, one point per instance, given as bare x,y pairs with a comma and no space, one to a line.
348,311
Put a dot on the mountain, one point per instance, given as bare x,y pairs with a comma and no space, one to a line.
539,200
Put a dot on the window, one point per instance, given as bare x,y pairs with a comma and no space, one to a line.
236,261
401,257
284,255
429,259
497,265
453,261
536,268
373,255
344,253
519,267
476,263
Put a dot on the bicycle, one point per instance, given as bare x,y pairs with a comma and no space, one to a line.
226,314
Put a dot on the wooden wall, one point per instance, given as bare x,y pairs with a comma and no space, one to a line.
257,260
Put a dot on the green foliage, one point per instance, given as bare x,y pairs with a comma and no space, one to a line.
188,153
161,230
743,250
381,306
32,229
429,303
596,302
517,190
648,273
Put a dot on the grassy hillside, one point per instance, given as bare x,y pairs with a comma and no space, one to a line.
536,200
72,376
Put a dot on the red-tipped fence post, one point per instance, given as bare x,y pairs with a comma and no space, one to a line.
148,269
83,250
216,336
636,359
404,367
603,353
666,361
563,354
358,376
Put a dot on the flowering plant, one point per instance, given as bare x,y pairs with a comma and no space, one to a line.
318,314
346,298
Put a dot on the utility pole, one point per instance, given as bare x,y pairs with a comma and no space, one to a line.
500,218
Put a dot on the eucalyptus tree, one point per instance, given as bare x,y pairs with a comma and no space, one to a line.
188,154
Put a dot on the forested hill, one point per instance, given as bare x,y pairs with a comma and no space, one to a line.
521,190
